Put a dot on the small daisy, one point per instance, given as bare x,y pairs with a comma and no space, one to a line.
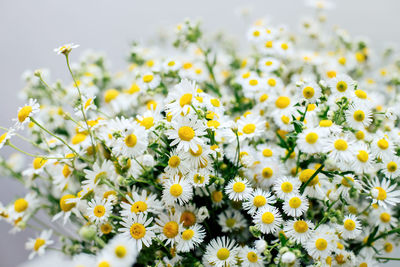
285,186
359,116
169,227
268,220
124,250
22,207
268,64
320,245
178,190
190,238
143,203
221,252
186,133
181,97
250,126
391,167
382,147
311,91
250,257
6,136
39,244
351,227
383,193
238,189
341,148
199,178
257,200
133,141
386,219
104,171
341,85
137,228
25,113
231,220
295,205
149,80
99,210
65,49
345,183
312,140
177,163
362,162
299,230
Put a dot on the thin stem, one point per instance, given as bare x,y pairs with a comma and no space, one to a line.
388,258
303,186
29,154
23,138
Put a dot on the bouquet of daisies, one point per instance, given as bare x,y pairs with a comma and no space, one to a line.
285,153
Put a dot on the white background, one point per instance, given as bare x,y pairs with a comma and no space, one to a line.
30,29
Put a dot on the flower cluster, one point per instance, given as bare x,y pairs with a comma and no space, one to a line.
287,154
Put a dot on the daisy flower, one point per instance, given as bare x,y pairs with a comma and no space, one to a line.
22,207
99,210
177,163
25,113
231,220
6,136
299,230
181,97
186,132
65,49
345,183
138,229
250,257
383,193
267,171
257,200
199,178
312,140
169,227
238,189
268,64
341,148
133,141
39,244
268,220
359,116
341,85
122,249
250,126
190,238
320,246
285,186
386,219
143,203
391,167
362,162
200,157
104,171
351,227
295,205
149,80
177,189
221,252
311,91
382,147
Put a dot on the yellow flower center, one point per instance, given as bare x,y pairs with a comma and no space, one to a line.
176,190
287,187
239,187
188,218
392,166
268,44
174,161
385,217
223,254
300,226
148,78
2,137
325,123
187,234
349,225
360,94
253,82
267,217
295,202
38,243
38,163
215,102
282,102
362,156
311,138
259,201
139,206
103,264
137,230
341,86
388,247
147,122
340,144
65,207
267,173
106,228
171,229
383,144
345,181
359,115
263,97
20,205
99,211
268,63
110,95
186,133
230,222
249,128
66,171
381,193
306,174
308,92
120,251
130,140
267,153
252,256
360,135
321,244
271,82
198,179
216,196
186,99
78,138
24,113
198,152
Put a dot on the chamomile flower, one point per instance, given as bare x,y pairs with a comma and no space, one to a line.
320,245
250,126
178,190
6,136
383,192
345,183
133,141
25,113
386,219
362,161
104,171
65,49
231,220
311,91
250,257
359,116
38,245
382,147
140,203
181,97
99,210
341,148
186,132
22,207
268,220
351,227
190,238
341,85
285,186
238,189
221,252
391,167
299,230
312,140
257,200
295,205
199,177
138,229
177,163
123,250
169,227
149,80
268,64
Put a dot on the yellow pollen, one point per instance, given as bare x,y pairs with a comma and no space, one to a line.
137,231
187,234
385,217
360,135
285,119
249,128
188,218
38,243
331,74
130,140
341,86
349,225
306,174
110,95
186,99
103,264
38,163
342,60
268,44
223,254
148,78
392,166
174,161
267,153
325,123
295,202
340,144
20,205
308,92
230,222
287,187
120,251
216,196
171,64
215,102
311,138
147,122
176,190
246,75
282,102
360,94
65,207
267,217
106,228
78,138
66,171
382,193
321,244
284,46
252,256
239,187
253,82
99,211
388,247
300,226
139,206
256,33
186,133
24,113
263,97
187,65
345,181
383,144
267,172
259,201
171,229
198,152
271,82
359,115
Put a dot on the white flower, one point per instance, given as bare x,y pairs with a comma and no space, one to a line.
285,186
177,189
25,113
251,257
169,227
221,252
138,229
351,227
295,205
99,210
383,193
39,244
268,219
312,140
257,200
65,49
299,230
190,238
143,203
238,189
359,116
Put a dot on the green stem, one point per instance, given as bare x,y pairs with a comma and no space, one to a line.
303,186
29,154
388,258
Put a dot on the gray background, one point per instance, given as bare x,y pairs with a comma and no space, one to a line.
29,30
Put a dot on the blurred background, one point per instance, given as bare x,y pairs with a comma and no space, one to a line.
29,30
